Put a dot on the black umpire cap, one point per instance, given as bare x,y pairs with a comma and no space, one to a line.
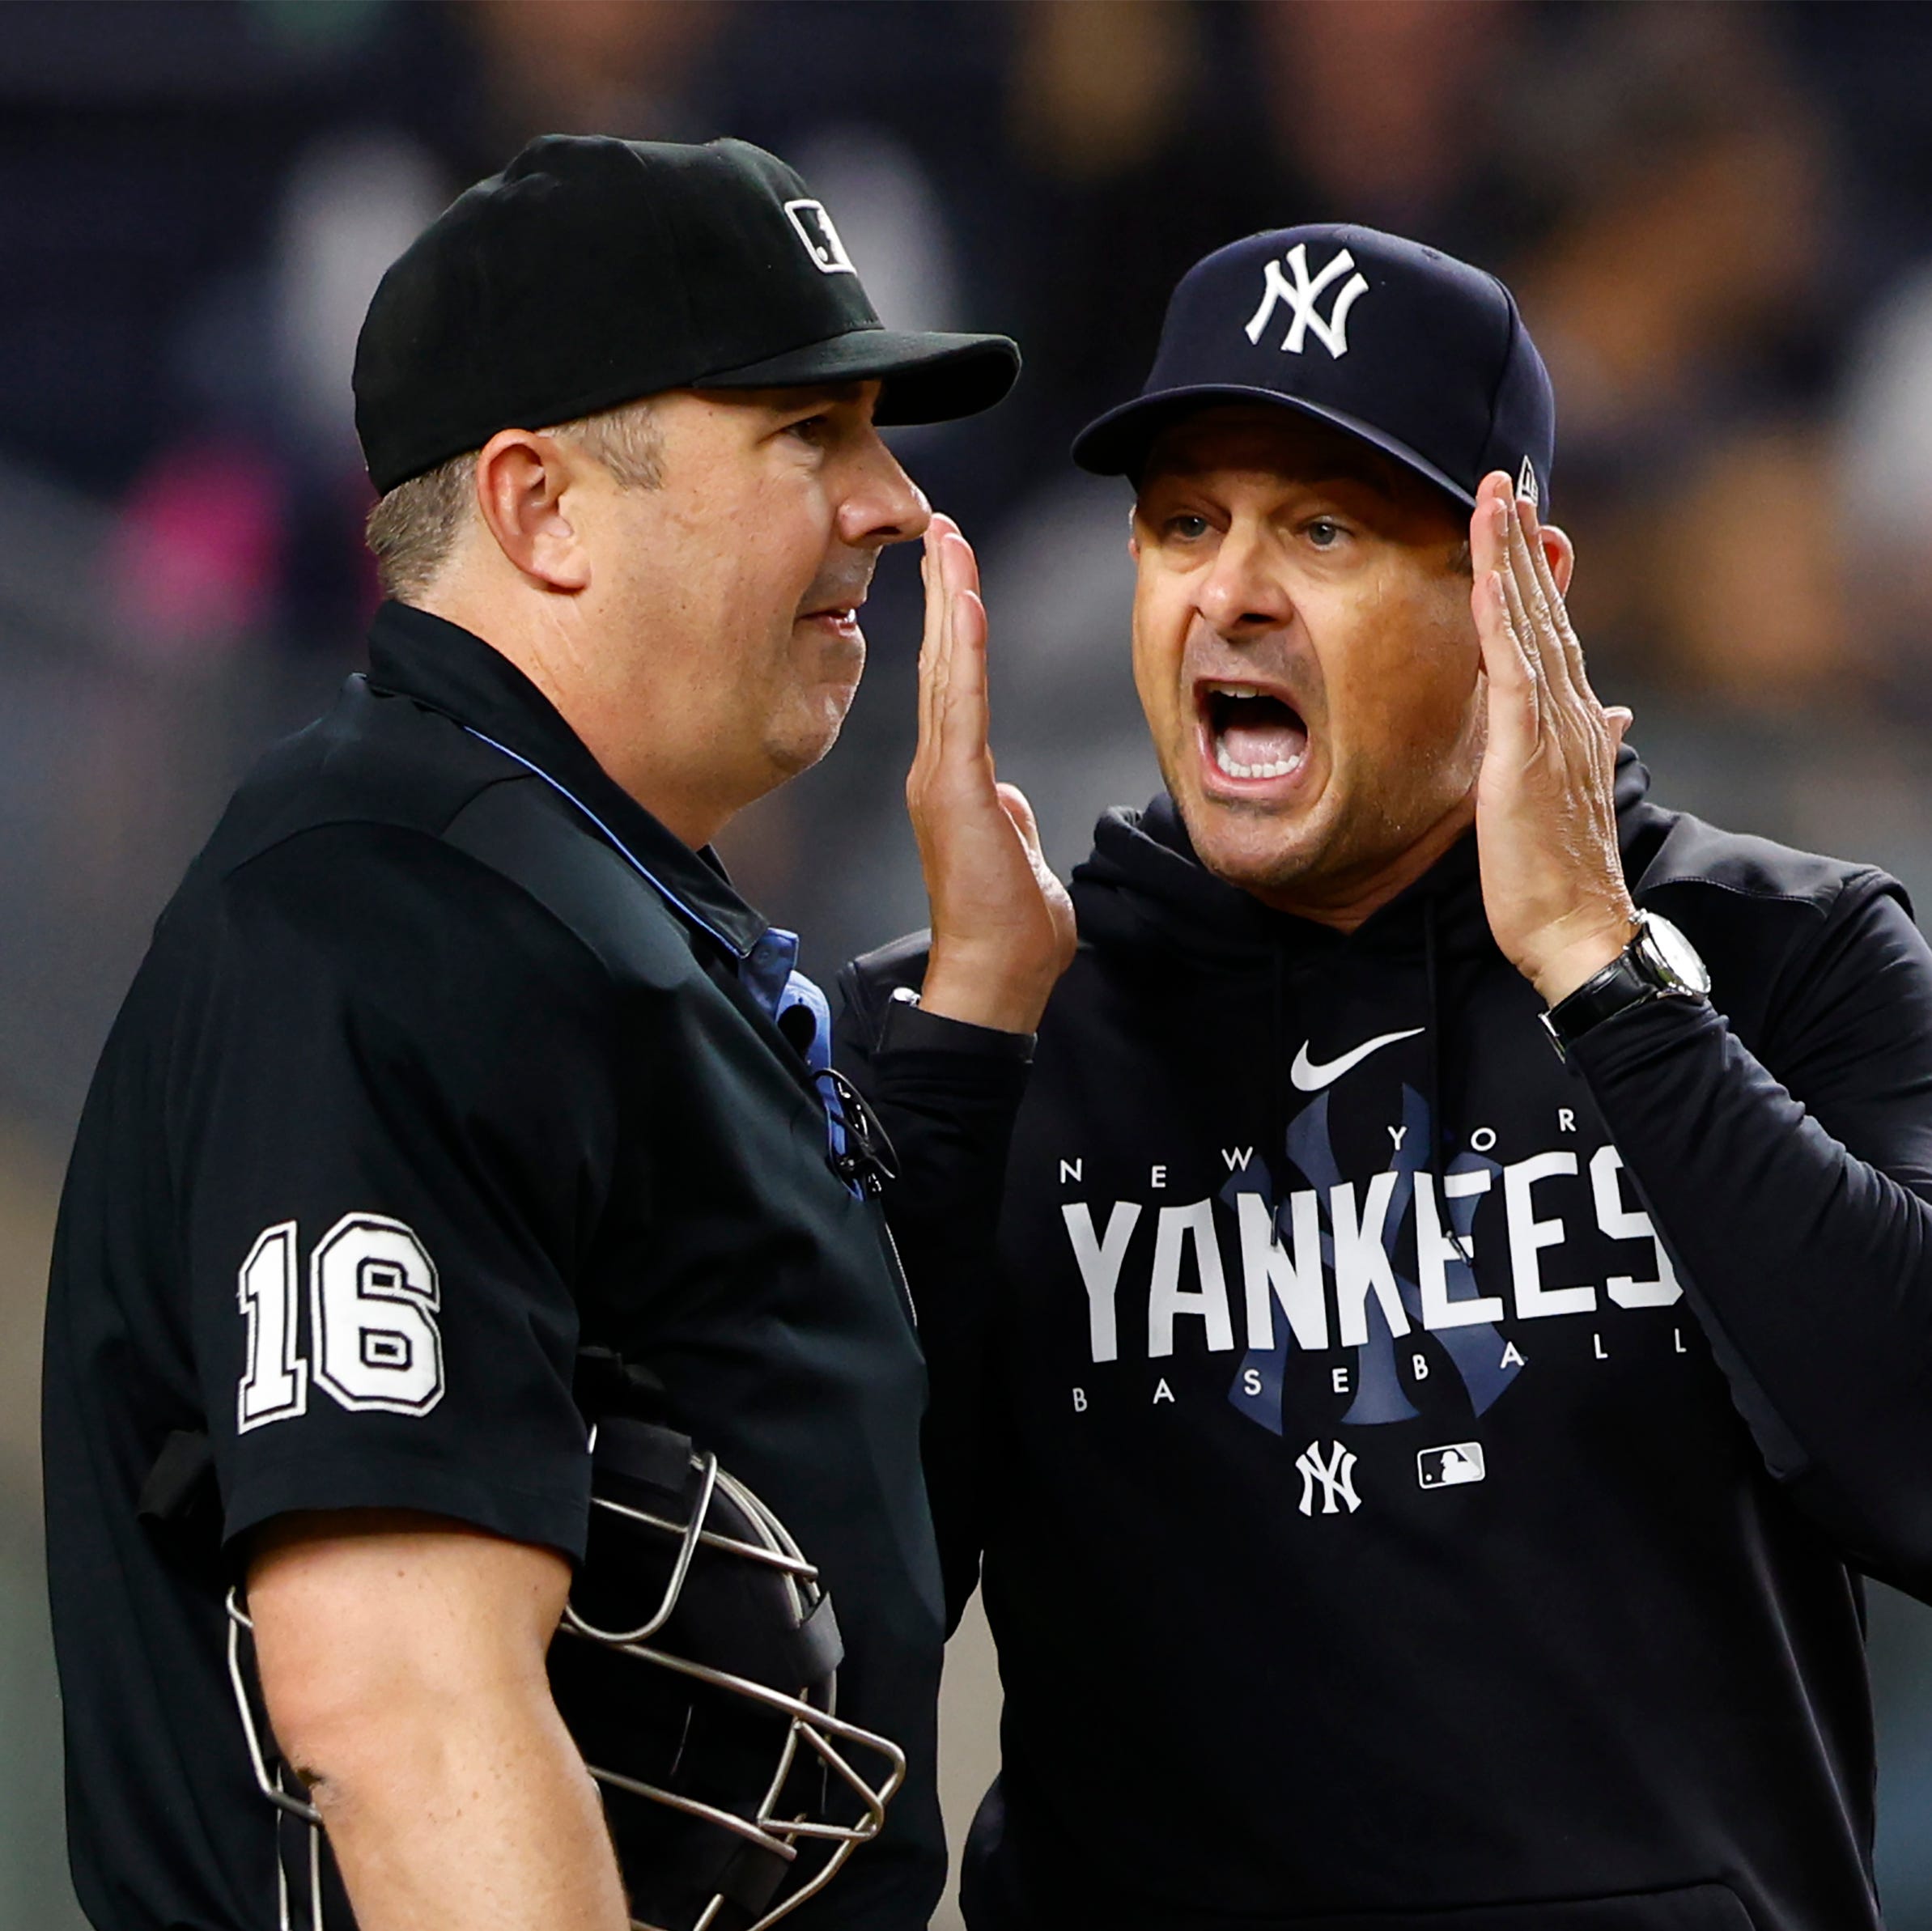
593,271
1411,350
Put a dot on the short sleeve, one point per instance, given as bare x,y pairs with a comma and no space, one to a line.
392,1129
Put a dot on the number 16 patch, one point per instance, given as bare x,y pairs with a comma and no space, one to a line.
373,1300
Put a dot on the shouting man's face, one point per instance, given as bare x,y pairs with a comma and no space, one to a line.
1305,653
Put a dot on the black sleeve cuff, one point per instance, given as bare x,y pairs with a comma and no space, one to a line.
1640,1035
555,1516
907,1028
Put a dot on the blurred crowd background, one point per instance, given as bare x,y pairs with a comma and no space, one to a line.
1718,219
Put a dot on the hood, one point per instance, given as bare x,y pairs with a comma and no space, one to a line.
1144,889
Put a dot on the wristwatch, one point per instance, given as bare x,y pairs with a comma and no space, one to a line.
1659,962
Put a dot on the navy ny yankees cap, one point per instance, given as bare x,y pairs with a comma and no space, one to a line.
1411,350
593,271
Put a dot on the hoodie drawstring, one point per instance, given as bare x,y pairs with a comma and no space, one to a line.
1438,1126
1278,1058
1438,1136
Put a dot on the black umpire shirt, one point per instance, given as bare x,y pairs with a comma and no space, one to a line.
447,1059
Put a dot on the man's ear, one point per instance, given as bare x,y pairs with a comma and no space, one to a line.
1561,553
523,485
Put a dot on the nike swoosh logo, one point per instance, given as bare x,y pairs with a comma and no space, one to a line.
1311,1078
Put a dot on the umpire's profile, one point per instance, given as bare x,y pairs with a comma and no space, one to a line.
457,1064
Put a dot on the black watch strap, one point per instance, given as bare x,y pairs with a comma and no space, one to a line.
1622,983
1643,970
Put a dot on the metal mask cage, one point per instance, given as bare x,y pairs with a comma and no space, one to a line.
272,1776
747,1565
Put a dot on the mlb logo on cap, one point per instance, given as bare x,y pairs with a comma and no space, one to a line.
821,241
1417,353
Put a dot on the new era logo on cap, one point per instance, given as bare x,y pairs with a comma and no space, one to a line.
821,241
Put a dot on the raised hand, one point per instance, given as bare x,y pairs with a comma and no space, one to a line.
1002,923
1546,823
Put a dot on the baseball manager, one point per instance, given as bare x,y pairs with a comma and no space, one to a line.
1423,1477
455,1053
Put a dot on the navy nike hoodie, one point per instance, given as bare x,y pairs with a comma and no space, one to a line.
1417,1481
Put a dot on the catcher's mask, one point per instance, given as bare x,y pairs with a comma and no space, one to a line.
697,1669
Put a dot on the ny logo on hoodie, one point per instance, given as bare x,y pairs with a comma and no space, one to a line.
1336,1475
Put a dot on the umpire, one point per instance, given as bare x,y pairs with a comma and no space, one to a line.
456,1053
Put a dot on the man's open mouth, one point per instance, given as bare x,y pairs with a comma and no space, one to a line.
1252,734
836,603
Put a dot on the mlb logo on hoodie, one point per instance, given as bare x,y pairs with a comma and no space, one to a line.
1451,1466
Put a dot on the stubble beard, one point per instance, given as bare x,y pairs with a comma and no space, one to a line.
1318,865
810,719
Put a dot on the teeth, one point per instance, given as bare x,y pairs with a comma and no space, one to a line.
1235,690
1278,768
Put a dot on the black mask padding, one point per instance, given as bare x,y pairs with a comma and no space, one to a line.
682,1735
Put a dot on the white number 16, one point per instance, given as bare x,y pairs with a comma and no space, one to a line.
373,1298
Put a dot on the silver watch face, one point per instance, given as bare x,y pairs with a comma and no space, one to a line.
1673,955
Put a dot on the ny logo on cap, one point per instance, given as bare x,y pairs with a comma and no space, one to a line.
821,241
1301,296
